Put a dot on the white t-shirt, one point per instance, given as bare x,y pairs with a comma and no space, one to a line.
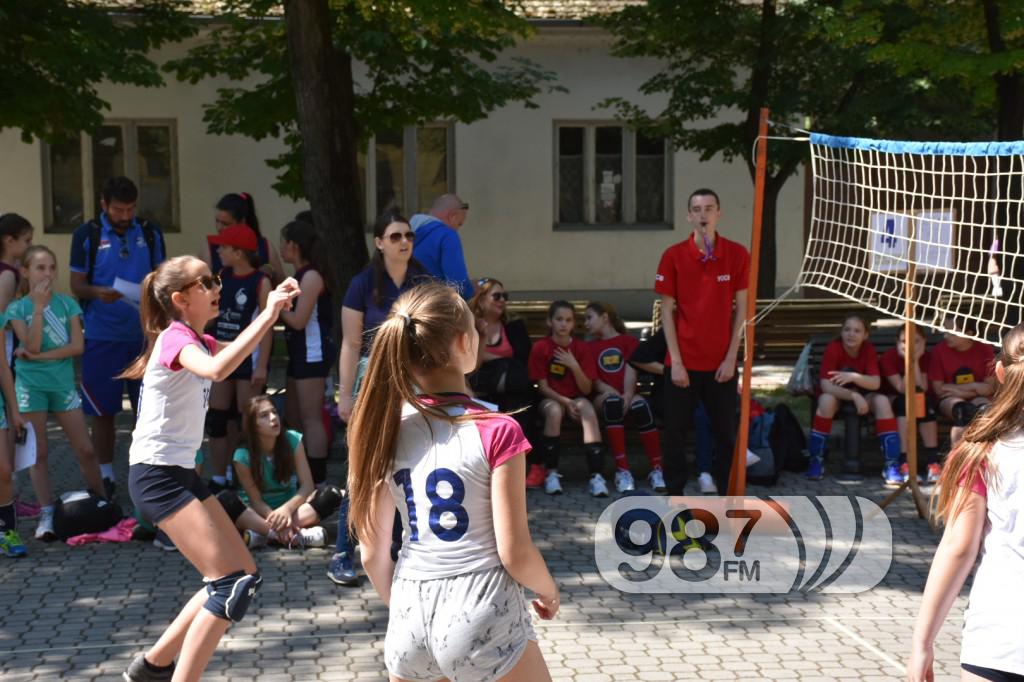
441,484
993,635
172,402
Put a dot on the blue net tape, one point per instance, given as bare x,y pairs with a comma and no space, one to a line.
1014,148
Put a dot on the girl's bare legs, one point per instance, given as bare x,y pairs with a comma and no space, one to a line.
530,668
553,414
73,423
588,417
205,536
40,471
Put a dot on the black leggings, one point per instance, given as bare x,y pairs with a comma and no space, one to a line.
720,404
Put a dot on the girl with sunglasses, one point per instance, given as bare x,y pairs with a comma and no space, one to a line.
392,271
49,329
178,300
307,335
503,377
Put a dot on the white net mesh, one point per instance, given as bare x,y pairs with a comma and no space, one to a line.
955,210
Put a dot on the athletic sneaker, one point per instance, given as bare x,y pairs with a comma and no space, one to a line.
11,545
934,473
535,476
815,469
139,671
905,473
161,541
624,481
656,480
44,531
551,484
707,484
314,536
598,488
341,572
254,540
892,474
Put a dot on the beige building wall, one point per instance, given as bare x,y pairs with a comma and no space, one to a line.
504,166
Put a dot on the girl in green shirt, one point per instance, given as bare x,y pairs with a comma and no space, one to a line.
276,482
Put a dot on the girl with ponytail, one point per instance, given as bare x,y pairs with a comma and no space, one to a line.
980,499
238,208
466,553
178,300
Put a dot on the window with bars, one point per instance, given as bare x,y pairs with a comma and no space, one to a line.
411,167
76,170
608,176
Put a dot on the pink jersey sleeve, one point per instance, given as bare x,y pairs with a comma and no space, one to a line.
175,338
502,439
211,343
976,486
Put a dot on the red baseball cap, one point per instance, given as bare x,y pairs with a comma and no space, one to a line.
239,236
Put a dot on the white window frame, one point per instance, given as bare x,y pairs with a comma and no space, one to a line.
410,203
129,132
628,180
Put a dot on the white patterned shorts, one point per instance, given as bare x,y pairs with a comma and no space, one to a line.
468,628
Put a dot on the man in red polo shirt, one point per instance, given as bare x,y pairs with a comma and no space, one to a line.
700,279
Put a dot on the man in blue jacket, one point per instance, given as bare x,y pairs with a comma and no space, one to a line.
438,247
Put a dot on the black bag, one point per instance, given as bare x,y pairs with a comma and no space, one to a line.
84,511
765,471
788,442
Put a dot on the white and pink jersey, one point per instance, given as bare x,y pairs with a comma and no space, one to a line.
172,402
441,483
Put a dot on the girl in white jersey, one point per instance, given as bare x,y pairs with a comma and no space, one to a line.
981,499
177,368
456,474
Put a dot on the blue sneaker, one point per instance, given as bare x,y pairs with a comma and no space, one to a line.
11,545
341,572
815,469
892,474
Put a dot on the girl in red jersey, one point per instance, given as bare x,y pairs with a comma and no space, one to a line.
564,370
615,393
961,376
892,365
850,372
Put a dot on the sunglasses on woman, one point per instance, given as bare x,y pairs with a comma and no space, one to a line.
396,237
207,282
499,296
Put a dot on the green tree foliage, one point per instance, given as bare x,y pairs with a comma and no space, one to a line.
53,53
724,59
412,60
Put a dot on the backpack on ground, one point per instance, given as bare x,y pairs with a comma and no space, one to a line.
763,472
83,511
788,442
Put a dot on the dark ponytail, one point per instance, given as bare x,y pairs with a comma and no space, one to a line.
310,245
242,208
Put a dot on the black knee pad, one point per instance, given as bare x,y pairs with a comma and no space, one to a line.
613,409
232,503
229,597
963,413
899,407
641,415
326,501
217,423
318,467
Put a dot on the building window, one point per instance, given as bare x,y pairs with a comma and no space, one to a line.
608,176
411,167
75,172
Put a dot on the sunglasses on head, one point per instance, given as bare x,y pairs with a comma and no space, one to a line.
396,237
207,282
500,296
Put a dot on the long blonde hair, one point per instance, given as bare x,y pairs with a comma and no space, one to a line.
1003,416
417,336
156,310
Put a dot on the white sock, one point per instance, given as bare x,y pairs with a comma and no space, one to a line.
108,471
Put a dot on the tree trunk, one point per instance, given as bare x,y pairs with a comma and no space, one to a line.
325,103
768,267
1009,86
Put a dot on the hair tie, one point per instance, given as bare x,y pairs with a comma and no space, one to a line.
244,195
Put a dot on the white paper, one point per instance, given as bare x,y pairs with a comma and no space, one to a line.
131,291
752,458
25,453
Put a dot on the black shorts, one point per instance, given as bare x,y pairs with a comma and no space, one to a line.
931,407
992,674
243,371
158,490
300,369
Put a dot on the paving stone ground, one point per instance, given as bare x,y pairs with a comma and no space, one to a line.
82,613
